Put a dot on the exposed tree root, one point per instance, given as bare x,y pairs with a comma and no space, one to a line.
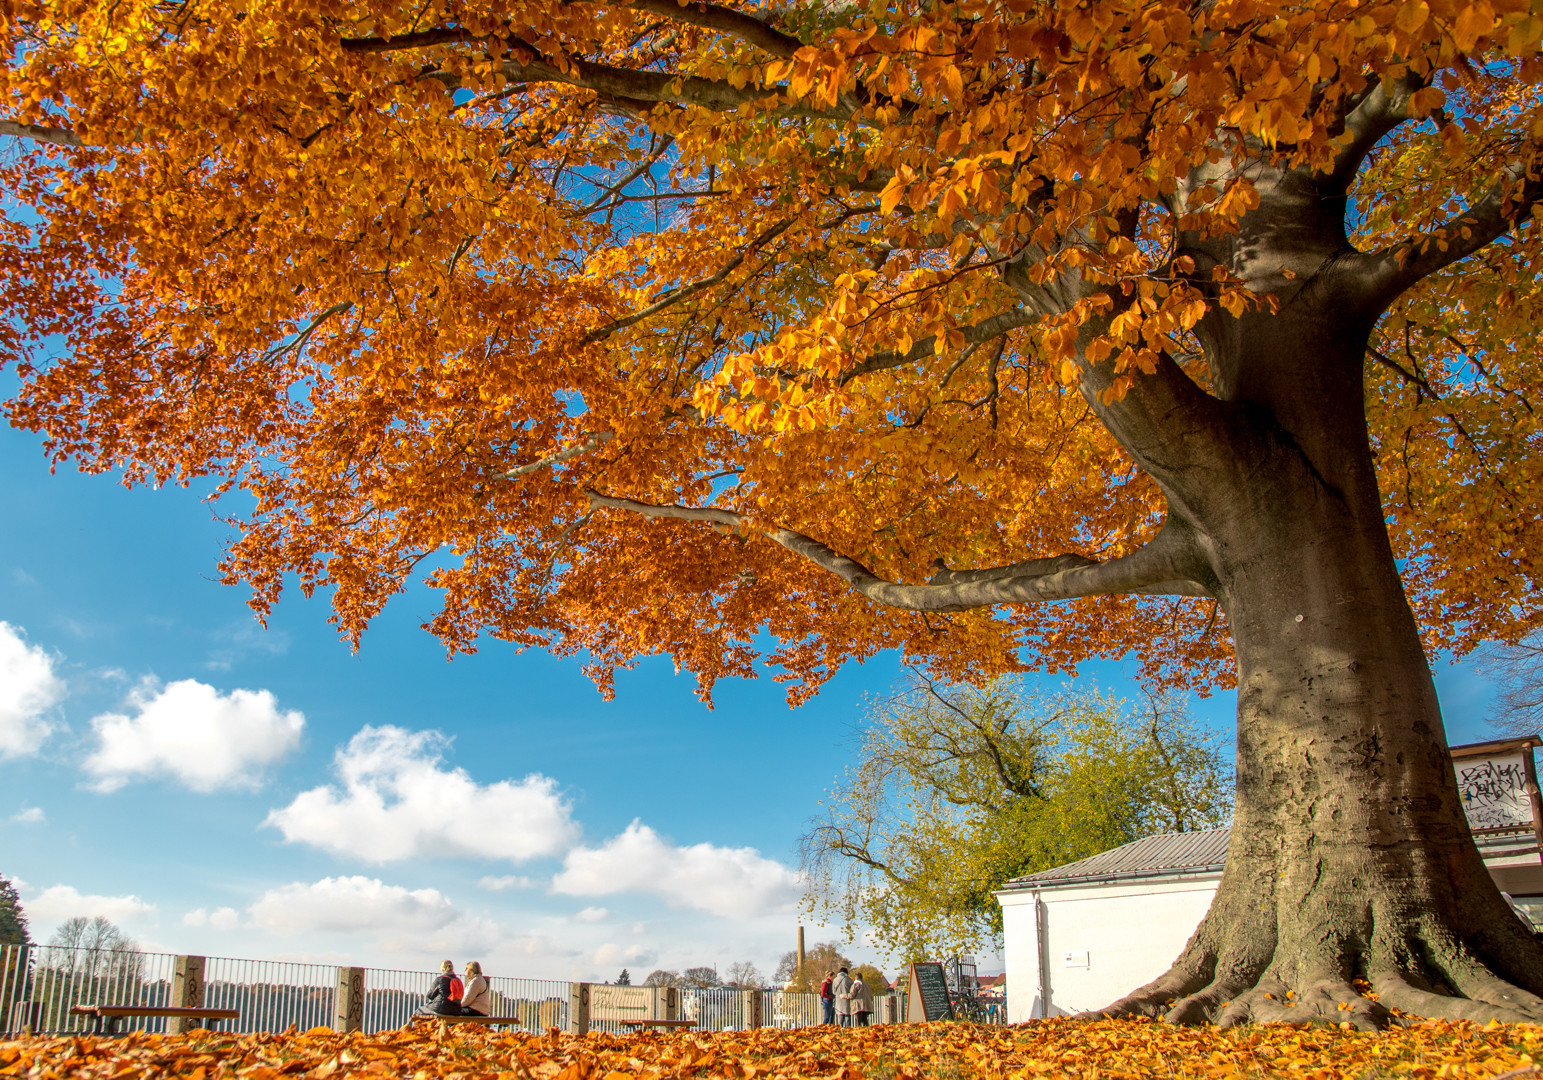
1189,994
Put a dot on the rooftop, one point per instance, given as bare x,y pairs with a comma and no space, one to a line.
1201,852
1204,851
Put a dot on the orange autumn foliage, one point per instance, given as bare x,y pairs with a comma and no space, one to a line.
1060,1048
417,279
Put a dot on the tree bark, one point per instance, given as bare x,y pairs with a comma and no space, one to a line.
1350,856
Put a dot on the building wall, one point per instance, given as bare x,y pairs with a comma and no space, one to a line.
1118,937
1124,935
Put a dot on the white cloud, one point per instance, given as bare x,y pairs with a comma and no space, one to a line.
29,815
611,955
398,802
61,902
348,904
725,881
28,689
224,918
506,881
191,732
592,914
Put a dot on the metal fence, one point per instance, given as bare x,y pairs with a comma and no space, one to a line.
790,1009
391,997
270,995
39,985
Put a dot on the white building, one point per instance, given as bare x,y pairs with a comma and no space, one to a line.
1083,935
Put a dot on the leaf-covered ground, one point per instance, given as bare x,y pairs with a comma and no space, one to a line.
1106,1049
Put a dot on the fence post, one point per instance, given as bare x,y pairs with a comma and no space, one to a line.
578,1008
348,1002
187,992
755,1018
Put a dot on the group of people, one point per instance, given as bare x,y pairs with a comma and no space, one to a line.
449,996
846,1000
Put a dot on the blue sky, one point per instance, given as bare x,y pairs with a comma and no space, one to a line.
363,812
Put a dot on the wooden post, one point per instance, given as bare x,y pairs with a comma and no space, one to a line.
754,1015
671,996
187,992
348,1002
801,954
578,1008
1534,801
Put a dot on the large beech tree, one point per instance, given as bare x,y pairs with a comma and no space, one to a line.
987,329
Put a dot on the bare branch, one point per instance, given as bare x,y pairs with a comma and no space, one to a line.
594,442
38,133
1153,570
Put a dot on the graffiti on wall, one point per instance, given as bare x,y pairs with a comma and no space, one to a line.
1493,790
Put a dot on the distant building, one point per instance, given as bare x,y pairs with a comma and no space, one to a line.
1083,935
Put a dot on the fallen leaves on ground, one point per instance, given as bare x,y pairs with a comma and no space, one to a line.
1108,1050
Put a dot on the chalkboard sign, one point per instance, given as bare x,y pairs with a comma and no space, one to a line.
928,994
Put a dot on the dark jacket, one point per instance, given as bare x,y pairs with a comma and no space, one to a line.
439,1000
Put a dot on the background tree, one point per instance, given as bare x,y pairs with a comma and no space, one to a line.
826,956
624,979
873,978
744,974
699,976
1518,671
13,920
661,977
958,789
986,331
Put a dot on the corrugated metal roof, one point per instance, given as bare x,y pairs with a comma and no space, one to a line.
1166,853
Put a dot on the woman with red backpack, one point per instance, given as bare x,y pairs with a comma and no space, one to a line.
445,995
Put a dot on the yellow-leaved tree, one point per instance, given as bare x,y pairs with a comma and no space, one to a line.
958,789
1001,332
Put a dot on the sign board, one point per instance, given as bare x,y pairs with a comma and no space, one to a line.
928,994
1494,791
613,1003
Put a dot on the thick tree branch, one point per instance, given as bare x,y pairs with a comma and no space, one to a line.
747,28
38,133
675,296
594,442
920,350
1154,570
1508,203
1382,109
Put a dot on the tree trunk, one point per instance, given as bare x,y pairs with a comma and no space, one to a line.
1350,857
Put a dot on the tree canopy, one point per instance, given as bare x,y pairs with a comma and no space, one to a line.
819,959
461,287
13,920
956,790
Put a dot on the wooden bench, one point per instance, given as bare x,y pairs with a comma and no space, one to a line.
485,1021
105,1017
635,1024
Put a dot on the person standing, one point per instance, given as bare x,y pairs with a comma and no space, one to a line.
828,998
862,1002
841,987
478,999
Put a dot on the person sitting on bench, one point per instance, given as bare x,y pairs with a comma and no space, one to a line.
445,995
478,999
